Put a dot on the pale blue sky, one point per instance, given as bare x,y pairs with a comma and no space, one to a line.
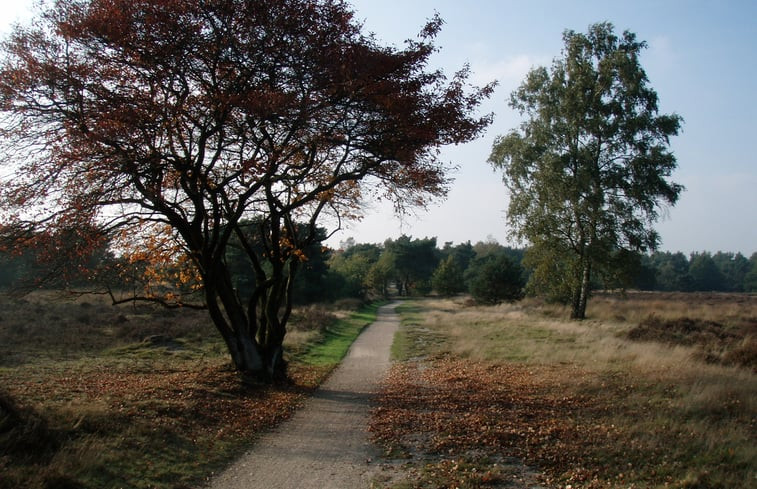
702,60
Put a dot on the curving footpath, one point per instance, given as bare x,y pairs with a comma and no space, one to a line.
325,444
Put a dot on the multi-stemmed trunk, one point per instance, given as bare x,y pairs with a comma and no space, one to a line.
254,335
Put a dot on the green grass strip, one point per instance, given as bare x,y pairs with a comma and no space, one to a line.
415,339
411,317
338,337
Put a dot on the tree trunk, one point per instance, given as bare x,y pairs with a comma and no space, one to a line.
243,349
575,299
229,317
276,366
254,329
250,358
581,293
273,347
245,355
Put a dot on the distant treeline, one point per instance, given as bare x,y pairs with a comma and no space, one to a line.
704,271
473,268
405,266
490,272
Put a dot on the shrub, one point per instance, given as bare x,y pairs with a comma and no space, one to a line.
716,342
496,279
349,304
311,318
448,278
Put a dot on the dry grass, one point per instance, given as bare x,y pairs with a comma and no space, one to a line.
49,326
677,419
112,426
531,328
633,307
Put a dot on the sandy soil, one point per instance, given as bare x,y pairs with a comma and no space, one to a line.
325,444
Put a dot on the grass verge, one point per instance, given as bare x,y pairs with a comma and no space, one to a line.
413,339
335,340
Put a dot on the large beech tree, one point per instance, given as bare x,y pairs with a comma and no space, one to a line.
179,126
589,169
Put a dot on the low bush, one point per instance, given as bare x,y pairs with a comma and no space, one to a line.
715,341
349,304
311,318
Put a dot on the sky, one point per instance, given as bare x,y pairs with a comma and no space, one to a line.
701,60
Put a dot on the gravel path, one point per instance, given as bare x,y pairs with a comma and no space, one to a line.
325,444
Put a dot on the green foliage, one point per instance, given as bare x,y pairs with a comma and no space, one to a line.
646,274
719,272
733,268
59,261
496,278
413,262
672,271
448,278
351,268
704,273
13,269
310,284
310,279
622,270
380,274
462,254
750,279
551,273
588,169
352,272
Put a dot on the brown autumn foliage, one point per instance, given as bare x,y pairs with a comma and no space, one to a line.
456,409
477,413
